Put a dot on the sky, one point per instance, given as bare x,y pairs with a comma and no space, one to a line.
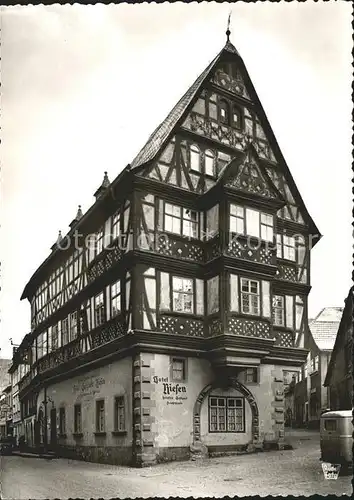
83,87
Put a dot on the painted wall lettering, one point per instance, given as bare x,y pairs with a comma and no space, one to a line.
173,393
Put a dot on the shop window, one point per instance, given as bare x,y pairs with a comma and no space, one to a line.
62,422
77,419
178,369
183,294
226,414
251,375
250,297
100,416
278,311
119,414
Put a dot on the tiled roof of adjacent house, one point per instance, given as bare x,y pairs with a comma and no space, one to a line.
325,326
161,133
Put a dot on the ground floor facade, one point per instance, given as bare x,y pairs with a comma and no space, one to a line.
149,408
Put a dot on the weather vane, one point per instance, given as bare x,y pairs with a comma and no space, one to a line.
228,32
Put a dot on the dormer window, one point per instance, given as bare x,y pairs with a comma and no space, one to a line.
224,113
209,162
195,158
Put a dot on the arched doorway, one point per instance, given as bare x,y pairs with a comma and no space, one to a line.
235,384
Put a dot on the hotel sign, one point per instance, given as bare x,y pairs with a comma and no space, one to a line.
173,393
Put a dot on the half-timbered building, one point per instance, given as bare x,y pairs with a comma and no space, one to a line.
163,321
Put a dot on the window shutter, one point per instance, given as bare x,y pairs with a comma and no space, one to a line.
266,299
233,292
289,305
165,303
200,296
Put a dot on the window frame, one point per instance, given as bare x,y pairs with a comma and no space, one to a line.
116,418
192,293
77,428
282,245
226,416
117,296
279,308
244,218
183,220
250,294
101,308
98,428
193,148
255,375
184,370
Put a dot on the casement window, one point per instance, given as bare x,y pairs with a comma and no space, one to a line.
119,414
77,419
283,310
62,421
286,247
178,369
236,118
251,375
226,414
250,297
182,295
40,346
99,241
209,162
73,326
99,310
65,331
278,310
115,299
314,364
116,225
100,416
194,153
224,112
250,222
305,370
213,295
212,222
179,220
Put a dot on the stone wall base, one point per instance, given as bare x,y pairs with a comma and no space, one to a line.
112,455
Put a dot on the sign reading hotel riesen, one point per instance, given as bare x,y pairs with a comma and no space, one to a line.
174,393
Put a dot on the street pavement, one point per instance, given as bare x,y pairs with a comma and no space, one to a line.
288,472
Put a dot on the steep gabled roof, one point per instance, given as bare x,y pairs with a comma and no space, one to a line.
162,132
325,326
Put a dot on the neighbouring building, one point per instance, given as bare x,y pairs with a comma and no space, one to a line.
306,397
6,412
339,377
4,375
166,330
17,371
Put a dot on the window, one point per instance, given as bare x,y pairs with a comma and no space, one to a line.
250,297
116,225
213,295
178,369
285,247
62,424
182,295
278,310
100,316
224,112
115,299
314,364
194,158
251,375
77,419
73,326
236,117
64,331
250,222
180,220
267,227
119,414
305,370
226,414
100,416
99,241
209,162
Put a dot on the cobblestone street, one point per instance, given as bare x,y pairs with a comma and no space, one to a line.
290,472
